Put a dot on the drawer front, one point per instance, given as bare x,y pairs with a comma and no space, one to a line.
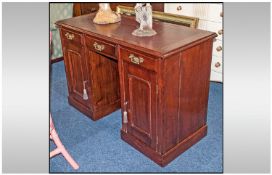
212,26
138,59
217,48
71,37
217,64
100,46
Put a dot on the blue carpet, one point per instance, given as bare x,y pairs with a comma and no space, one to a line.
97,146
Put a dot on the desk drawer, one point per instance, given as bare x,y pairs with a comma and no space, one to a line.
136,58
72,37
100,46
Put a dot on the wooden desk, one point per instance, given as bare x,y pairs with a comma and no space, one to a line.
160,82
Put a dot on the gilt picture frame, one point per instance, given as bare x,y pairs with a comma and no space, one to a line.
161,16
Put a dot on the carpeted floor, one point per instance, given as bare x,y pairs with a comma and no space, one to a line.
97,146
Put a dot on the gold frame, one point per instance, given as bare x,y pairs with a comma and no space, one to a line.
161,16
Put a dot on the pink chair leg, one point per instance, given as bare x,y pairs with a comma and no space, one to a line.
54,152
60,148
70,159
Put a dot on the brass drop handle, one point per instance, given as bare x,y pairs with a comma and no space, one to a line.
136,60
69,36
220,32
179,8
221,14
219,48
217,65
98,47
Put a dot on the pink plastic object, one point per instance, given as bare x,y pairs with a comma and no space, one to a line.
60,148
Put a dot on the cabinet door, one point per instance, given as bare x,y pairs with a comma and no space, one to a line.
140,103
73,53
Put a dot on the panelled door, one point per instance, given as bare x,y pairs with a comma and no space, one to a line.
140,102
75,65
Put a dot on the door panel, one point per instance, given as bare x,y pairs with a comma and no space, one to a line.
75,74
73,53
140,104
140,90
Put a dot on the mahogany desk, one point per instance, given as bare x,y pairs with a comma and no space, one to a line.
160,82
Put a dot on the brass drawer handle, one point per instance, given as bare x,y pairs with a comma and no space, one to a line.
69,36
136,60
221,14
217,65
179,8
98,47
220,32
219,48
